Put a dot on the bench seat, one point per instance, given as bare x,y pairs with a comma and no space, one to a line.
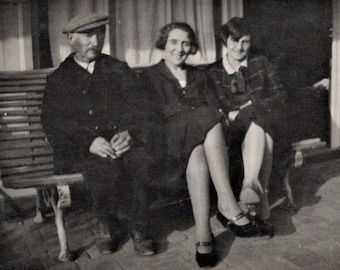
43,181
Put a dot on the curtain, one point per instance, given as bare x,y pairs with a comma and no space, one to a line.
60,12
15,37
134,26
231,8
335,78
138,23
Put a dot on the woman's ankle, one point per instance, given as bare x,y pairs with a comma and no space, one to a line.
204,236
204,242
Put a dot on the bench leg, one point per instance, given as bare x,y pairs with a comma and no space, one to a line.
290,204
64,255
40,202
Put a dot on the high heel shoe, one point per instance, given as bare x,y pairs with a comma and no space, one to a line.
247,230
206,259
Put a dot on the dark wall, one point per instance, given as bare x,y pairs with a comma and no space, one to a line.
295,34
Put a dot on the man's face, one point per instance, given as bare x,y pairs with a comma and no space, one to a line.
88,44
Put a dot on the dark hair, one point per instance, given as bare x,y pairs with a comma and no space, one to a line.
236,28
164,34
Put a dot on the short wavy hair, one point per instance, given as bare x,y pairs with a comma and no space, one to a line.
164,34
236,28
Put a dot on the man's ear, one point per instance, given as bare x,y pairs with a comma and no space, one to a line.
70,37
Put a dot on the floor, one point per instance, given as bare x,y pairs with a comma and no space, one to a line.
308,238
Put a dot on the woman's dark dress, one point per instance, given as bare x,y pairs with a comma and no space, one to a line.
185,114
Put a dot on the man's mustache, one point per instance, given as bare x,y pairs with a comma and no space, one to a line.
93,49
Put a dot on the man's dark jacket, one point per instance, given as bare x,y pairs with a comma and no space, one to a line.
79,106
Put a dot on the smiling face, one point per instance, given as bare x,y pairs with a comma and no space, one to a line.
177,47
238,49
89,44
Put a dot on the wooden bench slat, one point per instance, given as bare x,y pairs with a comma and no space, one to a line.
19,111
20,136
35,81
6,181
23,88
8,163
20,96
27,74
19,103
21,127
7,145
22,153
319,155
51,180
19,119
26,169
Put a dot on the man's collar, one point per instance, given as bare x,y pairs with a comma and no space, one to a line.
228,68
87,66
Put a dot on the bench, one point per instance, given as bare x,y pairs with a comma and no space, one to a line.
26,158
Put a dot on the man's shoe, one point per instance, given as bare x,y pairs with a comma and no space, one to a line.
142,244
107,246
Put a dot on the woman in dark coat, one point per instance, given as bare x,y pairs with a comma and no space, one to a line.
252,98
193,140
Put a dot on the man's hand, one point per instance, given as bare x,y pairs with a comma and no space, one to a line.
121,143
102,148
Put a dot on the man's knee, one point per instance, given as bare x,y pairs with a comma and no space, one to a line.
100,169
138,159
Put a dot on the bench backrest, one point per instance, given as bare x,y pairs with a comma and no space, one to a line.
25,151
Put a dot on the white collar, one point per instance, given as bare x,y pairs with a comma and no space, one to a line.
87,66
228,68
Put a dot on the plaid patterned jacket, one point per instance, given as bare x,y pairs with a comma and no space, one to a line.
263,86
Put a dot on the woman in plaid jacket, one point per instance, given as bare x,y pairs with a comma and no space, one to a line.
252,98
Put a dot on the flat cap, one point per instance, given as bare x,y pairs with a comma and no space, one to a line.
85,22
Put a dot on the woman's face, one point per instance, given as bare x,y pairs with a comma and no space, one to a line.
177,47
238,50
